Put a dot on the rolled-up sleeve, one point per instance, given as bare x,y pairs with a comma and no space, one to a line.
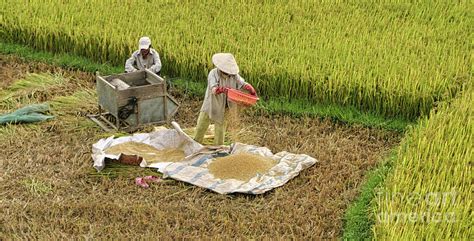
212,81
129,64
156,67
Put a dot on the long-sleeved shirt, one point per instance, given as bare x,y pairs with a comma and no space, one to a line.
137,62
214,104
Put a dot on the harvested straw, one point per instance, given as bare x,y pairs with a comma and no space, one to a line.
149,153
241,166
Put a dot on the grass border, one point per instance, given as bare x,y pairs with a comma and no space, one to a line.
345,114
296,108
62,60
358,219
299,107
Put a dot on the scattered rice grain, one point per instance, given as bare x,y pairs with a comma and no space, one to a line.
148,152
241,166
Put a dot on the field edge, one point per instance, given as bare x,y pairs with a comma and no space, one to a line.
294,107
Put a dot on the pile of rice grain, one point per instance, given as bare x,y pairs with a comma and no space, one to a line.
149,153
241,166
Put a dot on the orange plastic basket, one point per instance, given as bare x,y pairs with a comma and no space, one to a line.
241,98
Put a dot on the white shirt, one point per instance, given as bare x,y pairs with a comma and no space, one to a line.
137,62
214,104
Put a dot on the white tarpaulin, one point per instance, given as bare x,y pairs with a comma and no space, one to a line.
194,169
162,139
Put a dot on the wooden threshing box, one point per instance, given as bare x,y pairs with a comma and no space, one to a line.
131,100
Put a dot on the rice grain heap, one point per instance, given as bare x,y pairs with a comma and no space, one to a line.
149,153
241,166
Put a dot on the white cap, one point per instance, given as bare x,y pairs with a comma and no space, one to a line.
226,63
144,43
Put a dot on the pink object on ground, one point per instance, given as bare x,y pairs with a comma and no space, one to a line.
152,178
143,181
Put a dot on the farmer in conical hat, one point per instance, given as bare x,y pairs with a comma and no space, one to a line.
220,79
144,58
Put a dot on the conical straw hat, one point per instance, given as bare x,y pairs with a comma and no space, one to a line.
226,63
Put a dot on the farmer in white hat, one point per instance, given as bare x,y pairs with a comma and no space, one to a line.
144,58
219,80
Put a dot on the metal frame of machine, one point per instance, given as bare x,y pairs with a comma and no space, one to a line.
145,102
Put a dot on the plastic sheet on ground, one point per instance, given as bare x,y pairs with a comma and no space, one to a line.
161,139
27,114
194,168
195,171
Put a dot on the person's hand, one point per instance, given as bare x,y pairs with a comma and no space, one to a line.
250,89
220,90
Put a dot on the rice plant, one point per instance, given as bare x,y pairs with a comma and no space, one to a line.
428,196
394,59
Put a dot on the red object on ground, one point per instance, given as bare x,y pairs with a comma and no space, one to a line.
134,160
241,98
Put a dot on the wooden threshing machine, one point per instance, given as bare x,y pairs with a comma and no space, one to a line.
130,100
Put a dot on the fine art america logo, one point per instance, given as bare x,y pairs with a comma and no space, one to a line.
435,203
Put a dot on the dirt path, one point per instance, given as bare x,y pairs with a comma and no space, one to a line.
46,188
